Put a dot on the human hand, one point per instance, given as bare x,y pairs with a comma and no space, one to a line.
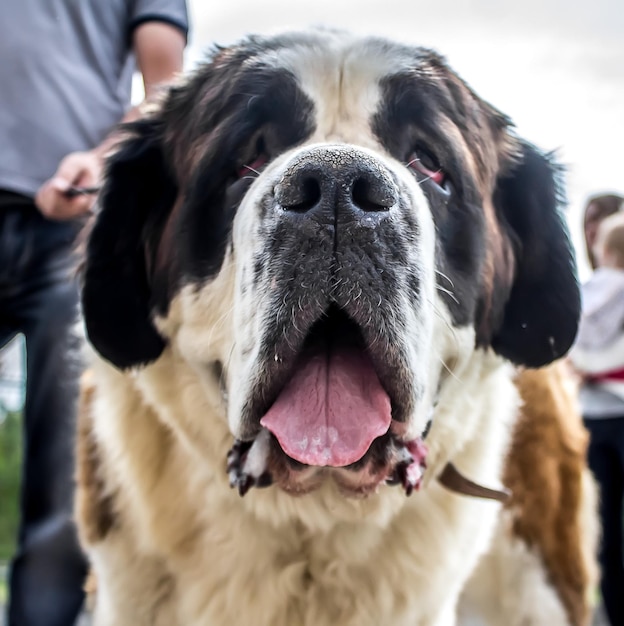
78,169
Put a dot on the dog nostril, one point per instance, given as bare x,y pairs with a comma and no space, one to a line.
303,197
372,196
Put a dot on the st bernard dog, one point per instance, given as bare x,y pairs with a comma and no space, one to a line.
315,269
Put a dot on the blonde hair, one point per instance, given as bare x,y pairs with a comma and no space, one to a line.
609,246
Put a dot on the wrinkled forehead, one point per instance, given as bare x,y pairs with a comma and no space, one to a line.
322,52
331,67
339,62
330,64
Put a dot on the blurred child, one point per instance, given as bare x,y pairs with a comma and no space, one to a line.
599,351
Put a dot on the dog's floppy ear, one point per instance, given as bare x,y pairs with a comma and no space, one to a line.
541,316
138,191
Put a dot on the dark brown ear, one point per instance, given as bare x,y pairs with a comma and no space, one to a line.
138,191
541,316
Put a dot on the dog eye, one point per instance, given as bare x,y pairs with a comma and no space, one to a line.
258,159
426,164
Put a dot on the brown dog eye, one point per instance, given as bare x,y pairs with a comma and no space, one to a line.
425,163
256,162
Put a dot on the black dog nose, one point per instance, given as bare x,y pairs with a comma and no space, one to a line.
335,181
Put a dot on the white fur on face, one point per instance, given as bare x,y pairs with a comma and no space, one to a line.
345,94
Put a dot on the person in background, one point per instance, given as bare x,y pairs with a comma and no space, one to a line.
65,74
598,357
597,208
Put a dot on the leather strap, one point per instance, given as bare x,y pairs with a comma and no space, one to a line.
452,479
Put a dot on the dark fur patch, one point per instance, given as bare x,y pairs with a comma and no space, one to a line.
148,240
501,243
117,293
542,312
254,103
414,106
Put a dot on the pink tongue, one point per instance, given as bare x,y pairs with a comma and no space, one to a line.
331,410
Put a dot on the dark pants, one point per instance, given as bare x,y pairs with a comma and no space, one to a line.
39,298
606,460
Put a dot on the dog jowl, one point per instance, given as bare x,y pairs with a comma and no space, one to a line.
319,225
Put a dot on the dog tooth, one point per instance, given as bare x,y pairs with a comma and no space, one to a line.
233,478
256,460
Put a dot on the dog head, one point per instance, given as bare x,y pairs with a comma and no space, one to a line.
313,219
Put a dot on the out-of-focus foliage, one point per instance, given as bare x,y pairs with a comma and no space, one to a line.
10,468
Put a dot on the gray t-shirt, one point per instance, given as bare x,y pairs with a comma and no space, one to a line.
65,78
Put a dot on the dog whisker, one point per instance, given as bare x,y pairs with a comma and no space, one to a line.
450,294
443,275
251,169
444,319
449,370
